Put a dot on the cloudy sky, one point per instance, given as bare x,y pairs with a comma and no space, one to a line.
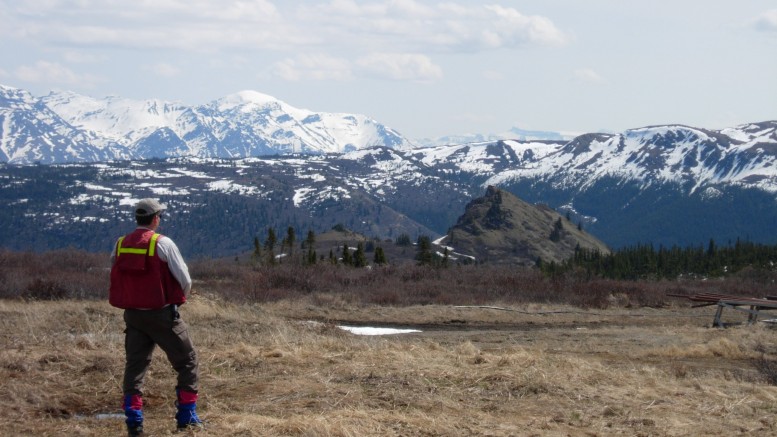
425,68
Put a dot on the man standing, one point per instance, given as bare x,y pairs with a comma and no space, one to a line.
149,280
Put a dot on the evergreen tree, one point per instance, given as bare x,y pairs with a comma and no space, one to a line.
711,249
359,259
291,239
310,244
380,256
257,255
347,260
424,254
310,240
555,234
643,261
269,245
403,240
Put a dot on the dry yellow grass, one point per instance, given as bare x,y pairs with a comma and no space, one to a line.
473,372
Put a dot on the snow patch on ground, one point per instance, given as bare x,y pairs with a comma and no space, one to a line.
368,330
232,188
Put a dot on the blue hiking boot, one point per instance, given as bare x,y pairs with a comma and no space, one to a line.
186,417
133,405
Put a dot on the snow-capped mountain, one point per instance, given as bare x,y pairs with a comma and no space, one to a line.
515,133
243,124
664,185
693,158
31,132
667,185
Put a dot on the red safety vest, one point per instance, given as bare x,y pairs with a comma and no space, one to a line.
139,278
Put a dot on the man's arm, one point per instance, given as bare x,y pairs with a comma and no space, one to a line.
113,252
169,253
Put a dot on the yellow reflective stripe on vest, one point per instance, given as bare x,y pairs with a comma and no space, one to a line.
118,246
152,244
150,251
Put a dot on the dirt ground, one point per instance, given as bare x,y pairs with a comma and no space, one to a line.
285,369
618,337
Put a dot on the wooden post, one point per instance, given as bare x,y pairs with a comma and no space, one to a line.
717,316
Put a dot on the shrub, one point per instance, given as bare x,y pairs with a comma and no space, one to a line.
74,274
43,289
54,275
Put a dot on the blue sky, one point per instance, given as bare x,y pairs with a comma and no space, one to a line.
424,68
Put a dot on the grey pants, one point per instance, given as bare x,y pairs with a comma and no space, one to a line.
149,328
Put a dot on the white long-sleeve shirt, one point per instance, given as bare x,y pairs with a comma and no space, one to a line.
169,253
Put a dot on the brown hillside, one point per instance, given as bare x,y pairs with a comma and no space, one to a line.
500,228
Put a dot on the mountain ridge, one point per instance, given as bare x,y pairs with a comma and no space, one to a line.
666,184
242,124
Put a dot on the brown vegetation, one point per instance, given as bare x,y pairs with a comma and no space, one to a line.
567,357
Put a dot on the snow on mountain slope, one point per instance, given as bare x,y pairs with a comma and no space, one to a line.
63,127
246,123
753,134
743,155
299,130
513,134
113,118
31,132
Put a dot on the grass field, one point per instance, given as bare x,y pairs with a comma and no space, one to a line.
283,368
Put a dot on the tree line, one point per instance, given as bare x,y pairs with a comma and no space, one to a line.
644,261
265,252
278,250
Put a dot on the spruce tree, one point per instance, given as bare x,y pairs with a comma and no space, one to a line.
269,245
291,238
555,234
347,260
403,240
359,260
310,244
380,256
257,255
424,254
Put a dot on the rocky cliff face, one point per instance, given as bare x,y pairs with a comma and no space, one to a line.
500,228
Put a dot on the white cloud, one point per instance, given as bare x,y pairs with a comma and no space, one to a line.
81,57
393,66
400,66
164,69
194,25
767,21
511,28
53,73
413,26
313,67
588,75
206,25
